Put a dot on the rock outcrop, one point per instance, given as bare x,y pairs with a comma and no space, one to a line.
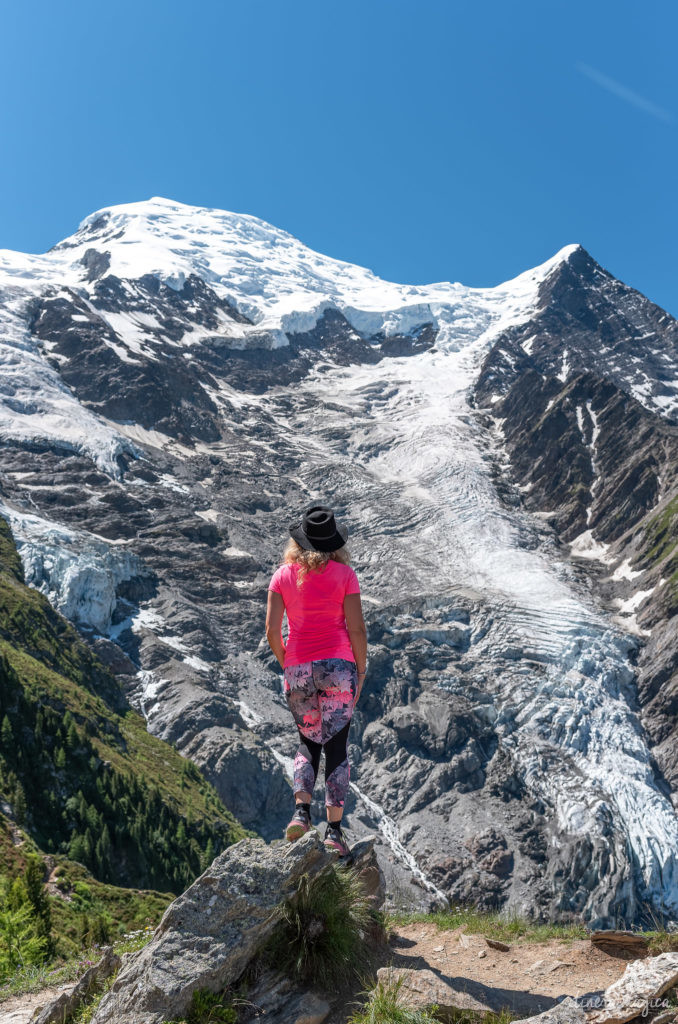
567,1011
277,1000
209,935
638,992
627,944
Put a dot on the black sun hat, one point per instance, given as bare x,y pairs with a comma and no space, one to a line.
317,530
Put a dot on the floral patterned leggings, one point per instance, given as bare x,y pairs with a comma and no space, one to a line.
321,696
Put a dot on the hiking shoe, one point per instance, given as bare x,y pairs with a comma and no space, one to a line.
336,840
300,823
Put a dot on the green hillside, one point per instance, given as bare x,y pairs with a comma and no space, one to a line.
109,808
661,546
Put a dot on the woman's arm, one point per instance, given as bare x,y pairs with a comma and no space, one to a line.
355,623
274,616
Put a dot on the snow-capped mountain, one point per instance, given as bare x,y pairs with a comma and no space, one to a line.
178,382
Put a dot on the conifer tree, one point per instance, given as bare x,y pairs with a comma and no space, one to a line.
19,804
38,898
6,734
72,737
209,854
17,896
88,841
19,944
76,848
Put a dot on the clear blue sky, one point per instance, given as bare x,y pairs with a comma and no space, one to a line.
426,140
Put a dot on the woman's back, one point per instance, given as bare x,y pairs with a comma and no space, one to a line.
315,611
324,661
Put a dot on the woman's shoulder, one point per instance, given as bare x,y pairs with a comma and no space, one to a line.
283,573
346,572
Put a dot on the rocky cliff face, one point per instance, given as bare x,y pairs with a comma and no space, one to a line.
181,382
594,448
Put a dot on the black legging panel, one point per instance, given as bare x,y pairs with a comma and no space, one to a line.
336,749
336,761
311,751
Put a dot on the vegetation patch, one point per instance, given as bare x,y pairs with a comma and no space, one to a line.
384,1006
323,932
119,822
506,928
209,1008
34,977
89,782
661,532
661,544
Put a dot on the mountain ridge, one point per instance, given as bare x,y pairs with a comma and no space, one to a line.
499,748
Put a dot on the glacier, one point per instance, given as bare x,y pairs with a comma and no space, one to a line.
579,713
77,572
400,435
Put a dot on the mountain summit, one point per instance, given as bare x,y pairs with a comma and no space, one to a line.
180,381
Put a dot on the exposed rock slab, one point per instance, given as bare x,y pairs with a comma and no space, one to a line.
421,988
569,1011
364,861
277,1001
208,935
618,942
641,984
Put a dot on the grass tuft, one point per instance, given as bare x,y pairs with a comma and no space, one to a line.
323,932
208,1008
384,1006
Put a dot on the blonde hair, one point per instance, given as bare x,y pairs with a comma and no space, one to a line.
312,561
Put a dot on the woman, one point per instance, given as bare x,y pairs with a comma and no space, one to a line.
324,662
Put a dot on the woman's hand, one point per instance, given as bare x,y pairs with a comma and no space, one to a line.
357,633
361,680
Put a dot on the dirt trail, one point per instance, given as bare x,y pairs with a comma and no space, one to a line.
19,1009
549,969
531,975
553,968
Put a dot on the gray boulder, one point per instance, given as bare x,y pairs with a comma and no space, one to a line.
208,935
567,1011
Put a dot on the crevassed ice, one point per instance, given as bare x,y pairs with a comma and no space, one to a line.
77,572
446,531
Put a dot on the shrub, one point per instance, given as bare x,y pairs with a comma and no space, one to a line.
19,945
322,933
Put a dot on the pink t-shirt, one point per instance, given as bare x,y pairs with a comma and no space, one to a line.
315,611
